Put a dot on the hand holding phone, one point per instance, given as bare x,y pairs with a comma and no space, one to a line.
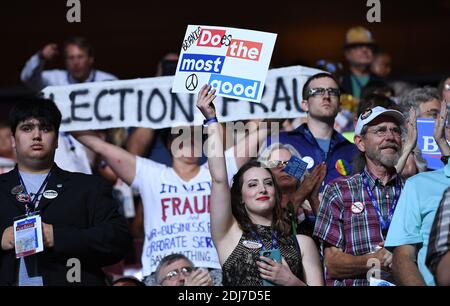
273,254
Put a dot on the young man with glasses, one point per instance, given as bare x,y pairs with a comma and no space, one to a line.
317,141
178,270
355,213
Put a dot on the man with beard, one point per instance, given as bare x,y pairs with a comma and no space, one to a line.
355,212
317,141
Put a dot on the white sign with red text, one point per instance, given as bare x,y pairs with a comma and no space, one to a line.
233,61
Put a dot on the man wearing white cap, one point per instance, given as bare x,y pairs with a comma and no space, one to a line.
355,212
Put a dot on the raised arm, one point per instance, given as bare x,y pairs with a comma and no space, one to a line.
221,216
122,162
439,130
32,72
411,140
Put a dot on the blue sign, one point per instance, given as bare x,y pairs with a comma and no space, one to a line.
427,144
296,167
235,87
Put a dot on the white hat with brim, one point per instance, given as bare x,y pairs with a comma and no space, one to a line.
370,114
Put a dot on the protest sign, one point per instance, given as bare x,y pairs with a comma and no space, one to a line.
150,103
234,61
427,144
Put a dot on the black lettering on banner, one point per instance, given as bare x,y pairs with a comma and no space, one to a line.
156,92
139,108
73,106
63,120
188,114
253,104
96,107
280,87
297,105
123,92
225,101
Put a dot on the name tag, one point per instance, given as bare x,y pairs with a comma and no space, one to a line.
28,236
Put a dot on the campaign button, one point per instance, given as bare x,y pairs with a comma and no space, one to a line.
50,194
357,207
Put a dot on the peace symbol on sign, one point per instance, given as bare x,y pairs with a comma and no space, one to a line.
191,82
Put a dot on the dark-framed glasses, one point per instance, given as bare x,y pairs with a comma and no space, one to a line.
320,91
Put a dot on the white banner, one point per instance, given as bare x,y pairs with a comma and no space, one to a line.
234,61
150,103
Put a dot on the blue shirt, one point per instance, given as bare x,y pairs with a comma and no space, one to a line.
415,212
303,140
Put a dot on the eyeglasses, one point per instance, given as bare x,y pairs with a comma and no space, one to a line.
186,271
275,163
320,91
382,131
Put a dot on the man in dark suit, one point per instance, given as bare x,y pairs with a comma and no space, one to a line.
82,230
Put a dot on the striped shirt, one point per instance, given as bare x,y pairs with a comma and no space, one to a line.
355,232
440,234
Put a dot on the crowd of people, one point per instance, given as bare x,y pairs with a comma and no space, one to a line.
367,205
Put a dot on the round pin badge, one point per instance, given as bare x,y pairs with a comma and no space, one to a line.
251,244
50,194
357,207
23,197
309,161
17,189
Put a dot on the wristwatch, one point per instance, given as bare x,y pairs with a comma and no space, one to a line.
444,159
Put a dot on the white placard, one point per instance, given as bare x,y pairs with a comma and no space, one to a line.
234,61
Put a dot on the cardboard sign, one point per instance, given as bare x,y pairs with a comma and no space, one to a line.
233,61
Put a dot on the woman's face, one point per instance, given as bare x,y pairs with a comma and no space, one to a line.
258,191
283,179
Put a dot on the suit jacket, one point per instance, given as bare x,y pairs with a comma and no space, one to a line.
86,225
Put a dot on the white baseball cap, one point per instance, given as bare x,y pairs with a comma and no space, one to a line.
372,113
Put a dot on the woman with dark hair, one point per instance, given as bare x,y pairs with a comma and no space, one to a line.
248,222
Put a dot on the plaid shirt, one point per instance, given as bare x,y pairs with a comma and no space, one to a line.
354,233
440,234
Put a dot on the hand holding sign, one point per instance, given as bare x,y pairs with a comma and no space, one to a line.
204,102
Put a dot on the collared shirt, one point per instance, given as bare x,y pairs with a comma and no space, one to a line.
354,233
303,140
440,234
415,214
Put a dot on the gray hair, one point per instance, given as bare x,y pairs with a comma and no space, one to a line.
167,261
266,152
416,97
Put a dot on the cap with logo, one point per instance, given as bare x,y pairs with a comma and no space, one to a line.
367,116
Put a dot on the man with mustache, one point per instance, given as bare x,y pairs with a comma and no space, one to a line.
355,212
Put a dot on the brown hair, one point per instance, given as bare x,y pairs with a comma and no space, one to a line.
279,219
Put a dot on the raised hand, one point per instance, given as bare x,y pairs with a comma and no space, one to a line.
49,52
204,102
439,130
411,137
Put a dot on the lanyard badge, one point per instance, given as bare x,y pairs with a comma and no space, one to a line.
28,235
